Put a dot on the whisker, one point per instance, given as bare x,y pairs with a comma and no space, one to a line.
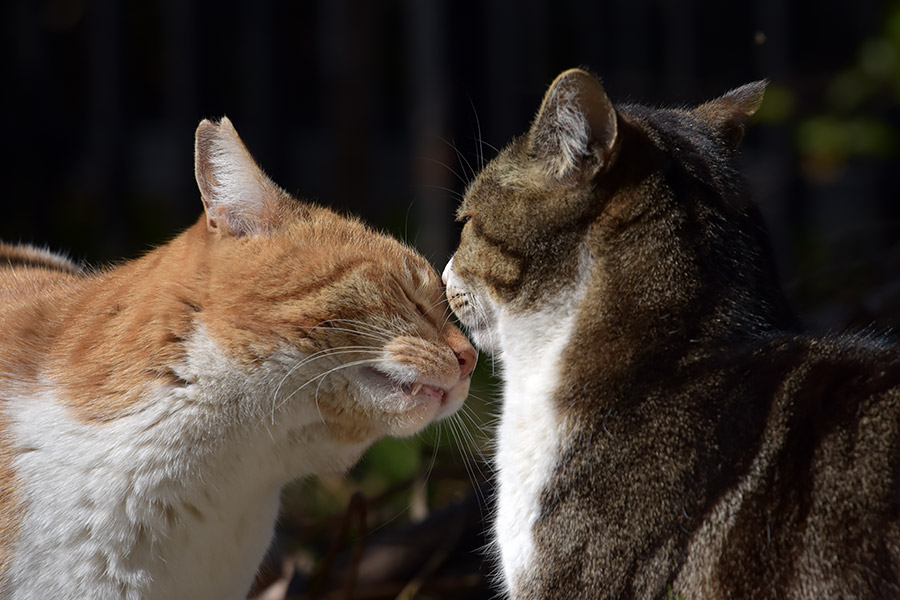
470,468
424,477
385,331
480,146
434,451
491,146
327,373
406,222
318,355
362,325
446,313
454,193
363,334
443,300
445,317
467,412
463,161
461,158
446,166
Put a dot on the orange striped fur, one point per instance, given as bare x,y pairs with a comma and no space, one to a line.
266,286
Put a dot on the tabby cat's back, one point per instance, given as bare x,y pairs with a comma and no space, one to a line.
666,424
151,412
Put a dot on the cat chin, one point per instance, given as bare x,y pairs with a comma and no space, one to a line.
453,400
485,339
410,407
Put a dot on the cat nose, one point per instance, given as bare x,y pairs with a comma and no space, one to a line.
445,276
467,358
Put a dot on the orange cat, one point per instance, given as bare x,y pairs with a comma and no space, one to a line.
150,413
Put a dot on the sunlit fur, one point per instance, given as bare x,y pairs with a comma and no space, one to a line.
151,412
667,428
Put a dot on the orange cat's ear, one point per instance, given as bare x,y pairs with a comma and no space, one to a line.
238,197
576,121
728,115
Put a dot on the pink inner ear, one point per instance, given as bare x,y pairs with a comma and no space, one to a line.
217,220
575,119
238,197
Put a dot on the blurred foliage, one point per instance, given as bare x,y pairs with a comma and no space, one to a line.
844,128
854,116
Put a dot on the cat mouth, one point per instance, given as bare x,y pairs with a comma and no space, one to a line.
417,390
414,390
404,403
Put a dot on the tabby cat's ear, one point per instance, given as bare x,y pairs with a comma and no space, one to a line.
729,114
576,121
238,197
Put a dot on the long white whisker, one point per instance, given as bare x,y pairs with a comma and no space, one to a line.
480,147
475,446
455,193
442,300
363,334
482,315
324,354
327,353
361,327
459,436
462,158
427,475
445,317
368,327
446,166
325,374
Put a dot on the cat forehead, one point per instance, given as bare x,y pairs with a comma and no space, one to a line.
514,171
655,141
327,235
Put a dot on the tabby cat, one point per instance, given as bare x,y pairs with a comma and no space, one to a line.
667,428
151,412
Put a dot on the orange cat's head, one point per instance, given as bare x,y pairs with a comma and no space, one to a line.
311,308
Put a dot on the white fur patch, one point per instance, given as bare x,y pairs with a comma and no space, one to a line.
176,500
530,347
530,430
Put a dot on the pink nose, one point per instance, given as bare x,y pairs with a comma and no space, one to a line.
468,358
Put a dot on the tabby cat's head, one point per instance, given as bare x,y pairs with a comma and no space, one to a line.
334,315
646,203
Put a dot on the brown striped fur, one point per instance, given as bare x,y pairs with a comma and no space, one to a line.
706,442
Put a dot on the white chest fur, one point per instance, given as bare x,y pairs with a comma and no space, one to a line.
530,429
110,506
176,500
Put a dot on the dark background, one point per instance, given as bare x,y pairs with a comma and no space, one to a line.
358,104
385,108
